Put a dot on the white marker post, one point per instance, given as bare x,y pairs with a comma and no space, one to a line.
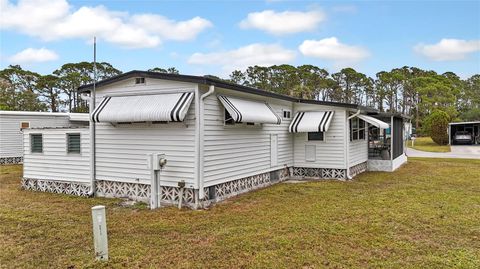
100,233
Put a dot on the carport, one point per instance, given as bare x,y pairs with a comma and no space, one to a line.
473,127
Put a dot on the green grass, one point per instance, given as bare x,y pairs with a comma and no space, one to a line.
427,144
424,215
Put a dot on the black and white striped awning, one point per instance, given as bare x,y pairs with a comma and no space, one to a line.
243,110
311,121
140,108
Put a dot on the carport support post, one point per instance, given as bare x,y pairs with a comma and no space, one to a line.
449,131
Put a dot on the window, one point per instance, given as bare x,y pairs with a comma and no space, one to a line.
73,143
228,118
25,124
316,136
361,130
357,129
36,143
139,80
287,114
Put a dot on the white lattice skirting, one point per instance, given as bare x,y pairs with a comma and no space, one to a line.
170,195
232,188
141,192
11,160
358,169
56,186
319,173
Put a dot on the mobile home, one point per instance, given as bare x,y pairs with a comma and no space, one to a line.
219,140
12,123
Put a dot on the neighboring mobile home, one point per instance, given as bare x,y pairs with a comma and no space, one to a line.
12,123
219,139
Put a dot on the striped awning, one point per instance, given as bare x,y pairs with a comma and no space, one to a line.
139,108
311,121
375,122
243,110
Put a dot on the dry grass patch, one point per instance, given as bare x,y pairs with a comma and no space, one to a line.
427,144
424,215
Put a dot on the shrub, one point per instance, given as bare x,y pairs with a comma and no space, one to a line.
436,126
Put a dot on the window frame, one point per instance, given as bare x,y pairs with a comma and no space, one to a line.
231,122
21,124
32,141
315,140
286,114
357,132
67,140
140,80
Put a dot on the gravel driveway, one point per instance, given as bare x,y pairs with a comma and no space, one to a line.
464,152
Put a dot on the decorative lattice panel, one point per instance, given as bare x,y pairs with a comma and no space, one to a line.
357,169
55,186
319,173
11,160
235,187
172,195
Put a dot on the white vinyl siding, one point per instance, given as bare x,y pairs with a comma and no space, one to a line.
233,152
54,163
358,152
121,151
11,137
329,153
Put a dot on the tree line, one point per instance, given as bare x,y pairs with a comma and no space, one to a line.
25,90
407,90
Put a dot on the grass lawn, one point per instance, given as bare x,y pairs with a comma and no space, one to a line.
427,144
425,215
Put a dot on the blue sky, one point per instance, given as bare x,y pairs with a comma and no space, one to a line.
214,37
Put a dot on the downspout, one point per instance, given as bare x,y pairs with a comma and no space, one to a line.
92,123
347,142
201,140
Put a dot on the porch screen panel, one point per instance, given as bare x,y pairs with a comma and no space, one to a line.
397,137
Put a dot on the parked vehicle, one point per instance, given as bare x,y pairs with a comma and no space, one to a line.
463,137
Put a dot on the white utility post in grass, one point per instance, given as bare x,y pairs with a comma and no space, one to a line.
413,141
100,241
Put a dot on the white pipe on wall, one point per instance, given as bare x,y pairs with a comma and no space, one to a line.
201,191
92,123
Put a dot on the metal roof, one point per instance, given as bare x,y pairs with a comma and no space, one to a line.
58,127
465,122
218,83
72,116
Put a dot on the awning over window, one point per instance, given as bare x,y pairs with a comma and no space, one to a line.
139,108
311,121
373,121
249,111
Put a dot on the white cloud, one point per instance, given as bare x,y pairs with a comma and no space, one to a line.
32,55
448,49
331,49
280,23
56,19
169,29
241,58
